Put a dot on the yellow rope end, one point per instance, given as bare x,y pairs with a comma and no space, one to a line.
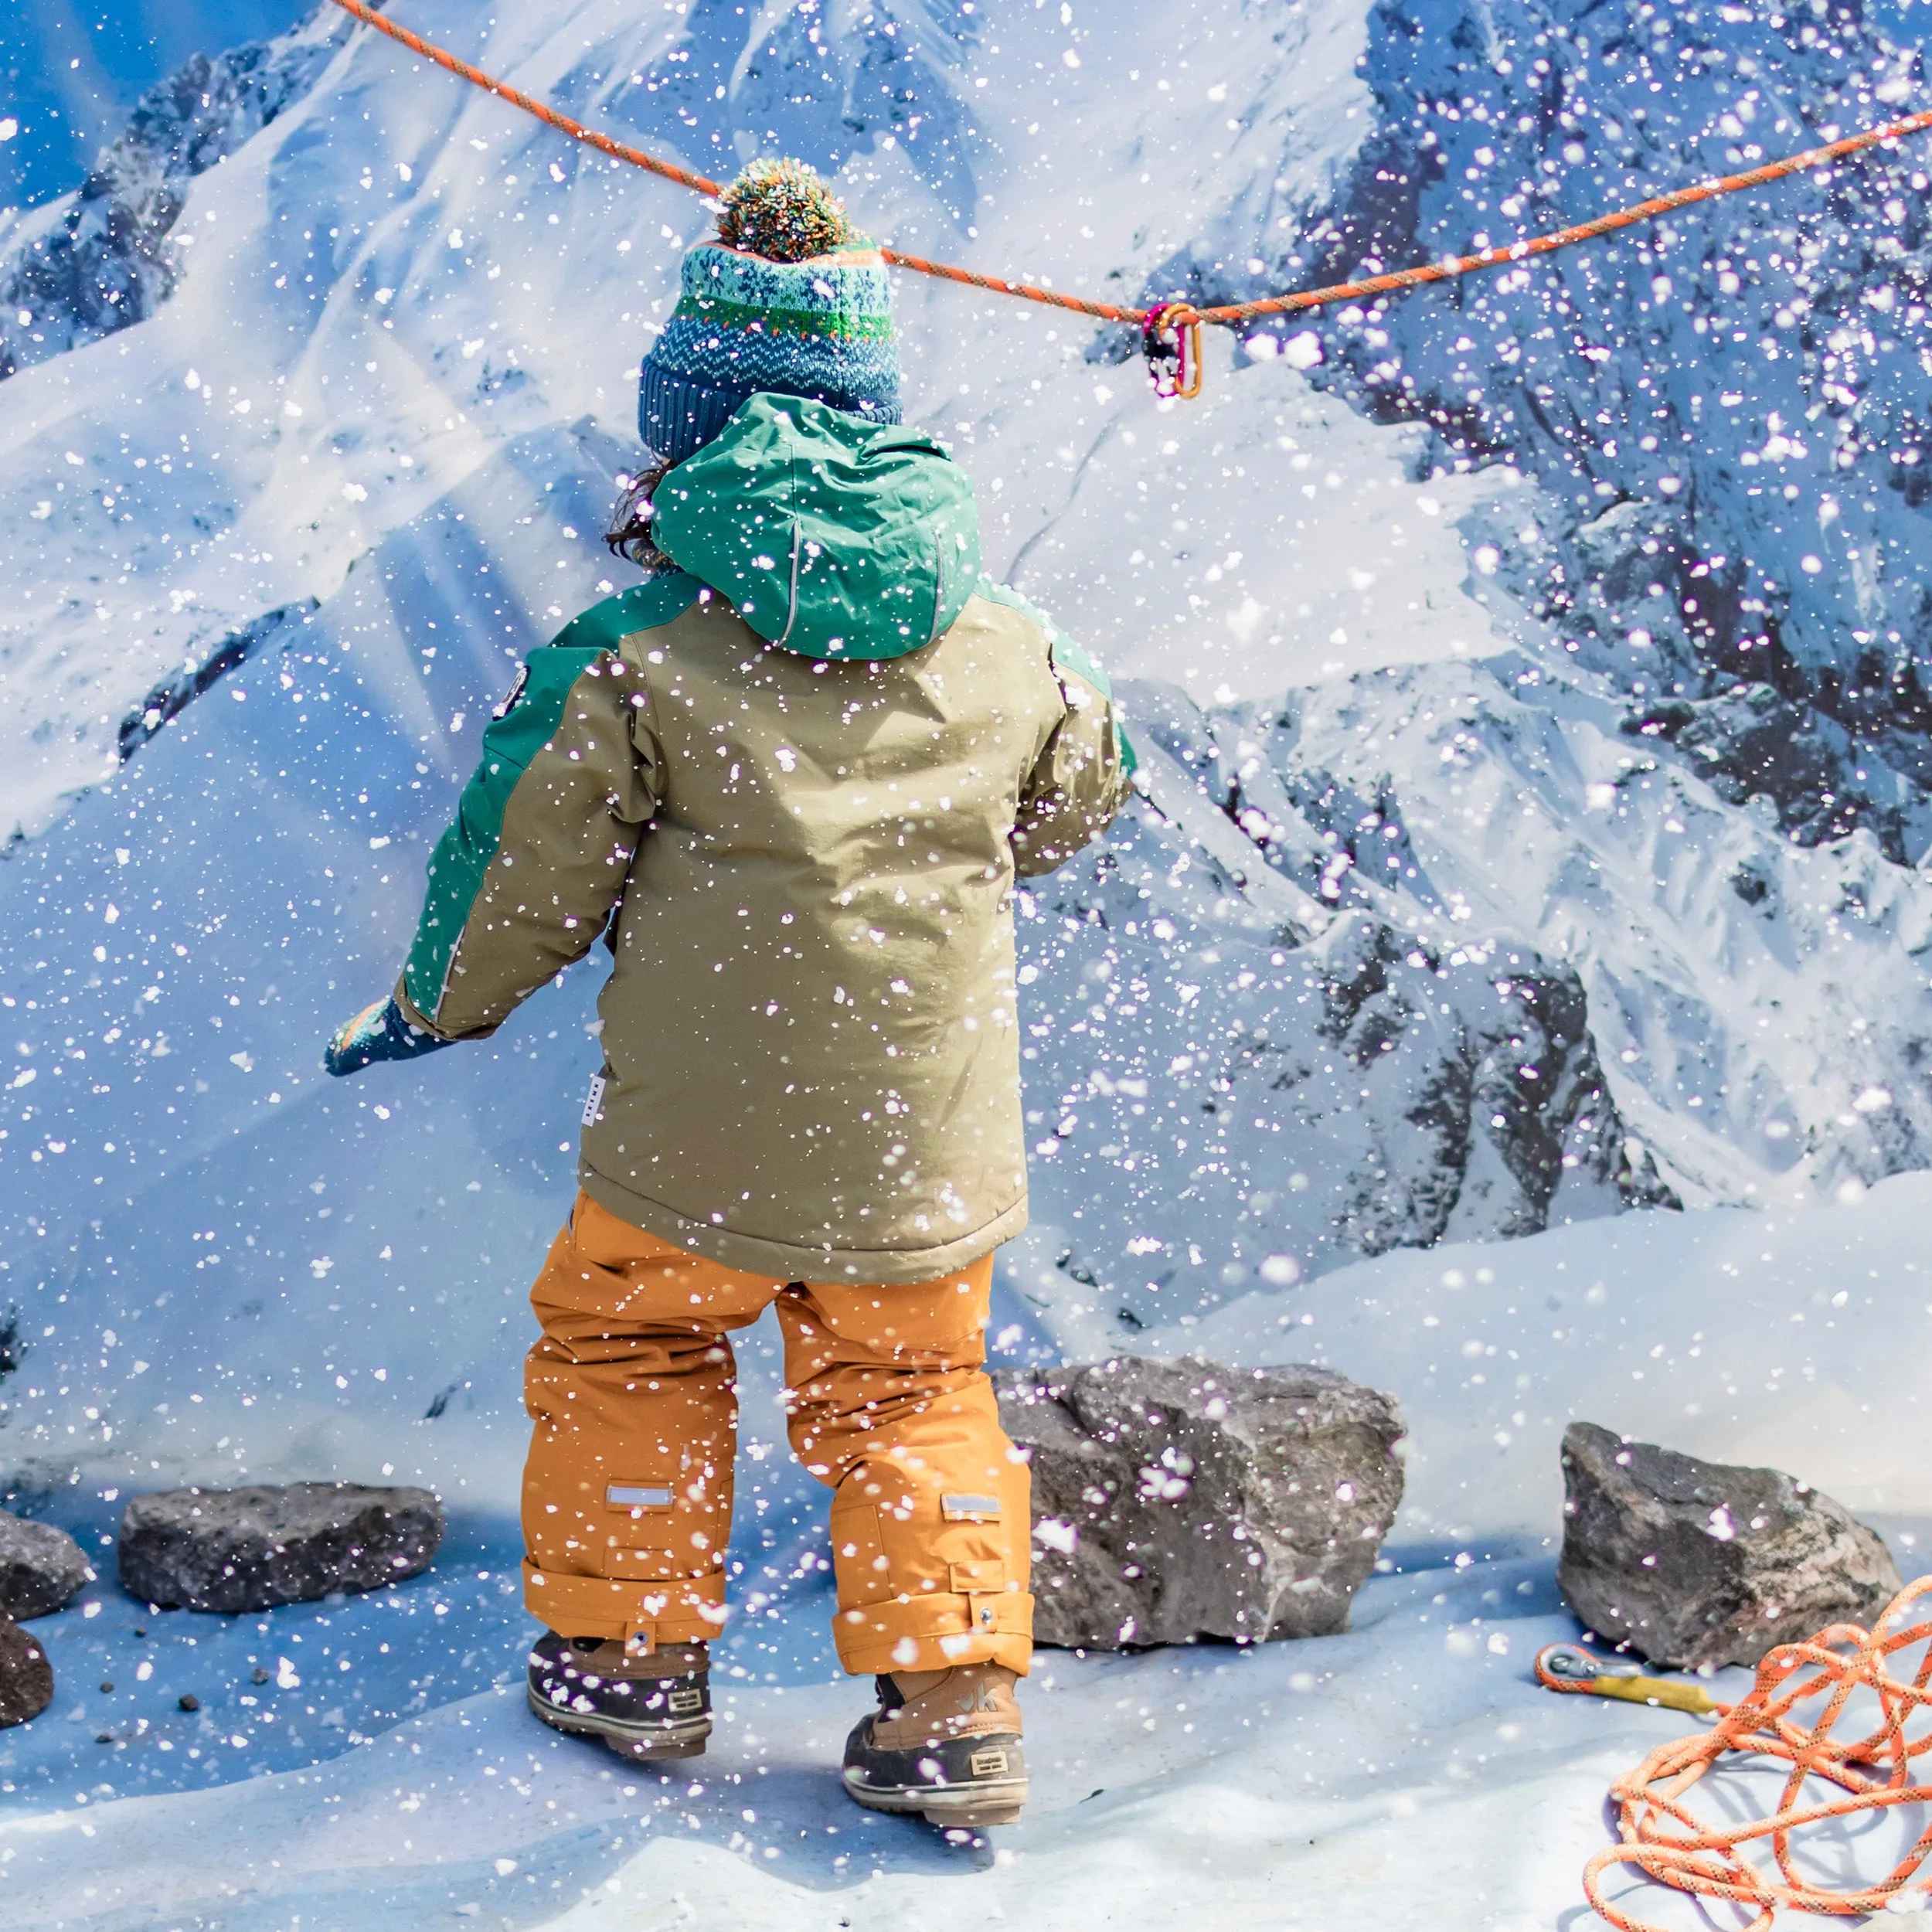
1672,1695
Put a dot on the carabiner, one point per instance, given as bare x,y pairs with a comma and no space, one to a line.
1171,341
1569,1667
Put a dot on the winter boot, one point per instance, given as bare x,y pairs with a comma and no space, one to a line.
643,1704
944,1743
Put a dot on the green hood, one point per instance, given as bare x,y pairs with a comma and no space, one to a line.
832,537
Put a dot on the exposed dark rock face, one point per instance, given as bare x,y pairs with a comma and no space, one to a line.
108,261
1690,1563
173,695
1174,1500
1500,1097
1749,741
26,1678
1465,1077
231,1550
40,1567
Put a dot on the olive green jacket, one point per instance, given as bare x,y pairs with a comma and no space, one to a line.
803,861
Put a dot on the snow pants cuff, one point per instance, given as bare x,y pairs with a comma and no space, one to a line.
683,1611
936,1633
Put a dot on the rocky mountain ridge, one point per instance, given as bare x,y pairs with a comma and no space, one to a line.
107,255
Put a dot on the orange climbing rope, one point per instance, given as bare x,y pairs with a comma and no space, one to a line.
1670,1843
1583,231
1171,330
616,149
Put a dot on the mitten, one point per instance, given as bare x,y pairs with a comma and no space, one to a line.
378,1032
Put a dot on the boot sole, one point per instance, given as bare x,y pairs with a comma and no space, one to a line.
963,1806
642,1744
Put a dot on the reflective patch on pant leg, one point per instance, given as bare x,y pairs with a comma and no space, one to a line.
931,1548
625,1496
970,1509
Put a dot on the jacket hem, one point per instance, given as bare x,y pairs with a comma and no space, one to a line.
790,1261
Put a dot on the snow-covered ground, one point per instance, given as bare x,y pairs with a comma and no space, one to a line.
1298,1785
1451,913
1366,1779
384,1773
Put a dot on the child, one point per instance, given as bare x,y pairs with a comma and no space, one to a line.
790,778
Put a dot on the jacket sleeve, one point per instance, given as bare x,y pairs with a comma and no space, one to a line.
1080,779
526,877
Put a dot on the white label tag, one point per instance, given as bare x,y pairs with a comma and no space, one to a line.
594,1101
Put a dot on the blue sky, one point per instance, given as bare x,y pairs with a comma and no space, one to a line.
68,74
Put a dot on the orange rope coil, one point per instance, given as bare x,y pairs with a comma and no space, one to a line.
1180,314
1663,1839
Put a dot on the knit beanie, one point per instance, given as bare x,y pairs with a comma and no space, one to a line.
788,298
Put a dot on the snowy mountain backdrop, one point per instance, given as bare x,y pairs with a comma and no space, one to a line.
1529,672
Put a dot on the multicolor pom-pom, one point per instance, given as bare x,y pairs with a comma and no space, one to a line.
782,210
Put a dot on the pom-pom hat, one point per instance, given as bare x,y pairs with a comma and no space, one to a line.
788,299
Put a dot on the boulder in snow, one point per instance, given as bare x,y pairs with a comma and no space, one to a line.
231,1550
40,1567
1179,1500
1689,1563
26,1678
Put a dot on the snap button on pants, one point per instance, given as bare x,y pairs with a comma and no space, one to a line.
627,1494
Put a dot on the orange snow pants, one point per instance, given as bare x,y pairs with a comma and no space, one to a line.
627,1495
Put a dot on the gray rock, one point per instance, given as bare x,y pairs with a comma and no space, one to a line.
231,1550
40,1567
26,1678
1179,1500
1690,1563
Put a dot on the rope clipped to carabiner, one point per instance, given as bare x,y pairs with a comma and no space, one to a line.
1760,1855
1171,341
1170,332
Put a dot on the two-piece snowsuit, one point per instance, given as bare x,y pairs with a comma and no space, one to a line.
791,782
